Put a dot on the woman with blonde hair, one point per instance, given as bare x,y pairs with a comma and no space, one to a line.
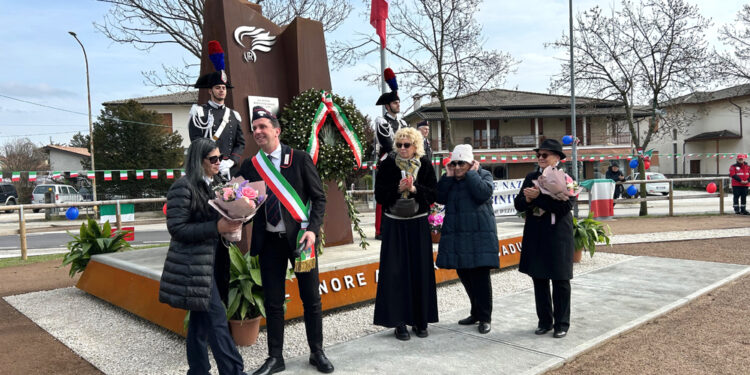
405,186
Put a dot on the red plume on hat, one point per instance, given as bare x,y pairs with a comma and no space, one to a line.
390,78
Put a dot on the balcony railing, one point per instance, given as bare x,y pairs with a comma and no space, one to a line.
527,141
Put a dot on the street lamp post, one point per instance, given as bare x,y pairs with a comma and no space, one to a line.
573,104
91,124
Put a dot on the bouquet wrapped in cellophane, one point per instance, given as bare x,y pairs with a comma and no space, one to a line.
238,200
558,185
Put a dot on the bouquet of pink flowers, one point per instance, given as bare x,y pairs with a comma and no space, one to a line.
557,184
238,200
436,217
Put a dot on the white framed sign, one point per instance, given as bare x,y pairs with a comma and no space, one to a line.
267,102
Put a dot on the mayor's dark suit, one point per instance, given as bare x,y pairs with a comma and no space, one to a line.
276,248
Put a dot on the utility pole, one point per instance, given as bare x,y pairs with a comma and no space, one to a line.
91,124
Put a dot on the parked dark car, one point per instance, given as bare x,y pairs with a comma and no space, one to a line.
8,195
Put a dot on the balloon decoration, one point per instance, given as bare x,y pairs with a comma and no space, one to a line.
566,140
632,191
164,209
633,163
711,188
446,161
646,164
71,213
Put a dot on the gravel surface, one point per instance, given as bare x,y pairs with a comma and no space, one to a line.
118,342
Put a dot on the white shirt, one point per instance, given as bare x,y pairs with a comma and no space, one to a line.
215,105
275,157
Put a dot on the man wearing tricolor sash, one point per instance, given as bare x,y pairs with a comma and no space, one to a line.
286,230
216,121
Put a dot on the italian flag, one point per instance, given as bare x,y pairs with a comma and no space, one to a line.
73,174
525,157
504,159
56,174
15,176
482,158
182,172
139,174
600,195
32,176
107,175
170,173
123,175
154,174
91,174
514,158
494,157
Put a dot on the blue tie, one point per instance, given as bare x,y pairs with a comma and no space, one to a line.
273,211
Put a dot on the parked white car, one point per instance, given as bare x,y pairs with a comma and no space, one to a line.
60,194
651,188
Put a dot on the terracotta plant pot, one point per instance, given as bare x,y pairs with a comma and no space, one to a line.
435,236
245,332
577,256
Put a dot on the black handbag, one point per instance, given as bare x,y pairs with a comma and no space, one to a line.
404,207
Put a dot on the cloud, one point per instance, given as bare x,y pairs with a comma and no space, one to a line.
29,90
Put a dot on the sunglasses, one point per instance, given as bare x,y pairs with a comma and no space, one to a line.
458,163
214,159
404,145
542,155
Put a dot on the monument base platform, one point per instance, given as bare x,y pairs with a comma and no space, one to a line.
348,275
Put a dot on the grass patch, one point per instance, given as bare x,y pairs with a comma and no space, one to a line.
11,262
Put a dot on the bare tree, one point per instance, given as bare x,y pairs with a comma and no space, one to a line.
645,52
22,155
439,46
734,64
146,24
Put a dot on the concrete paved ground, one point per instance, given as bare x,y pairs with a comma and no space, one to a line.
605,303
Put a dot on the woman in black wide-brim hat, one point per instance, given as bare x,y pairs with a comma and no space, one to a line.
547,245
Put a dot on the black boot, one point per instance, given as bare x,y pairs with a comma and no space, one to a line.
737,210
744,211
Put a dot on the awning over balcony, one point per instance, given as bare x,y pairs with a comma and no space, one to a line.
714,136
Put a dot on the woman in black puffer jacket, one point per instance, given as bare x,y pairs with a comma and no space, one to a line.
197,265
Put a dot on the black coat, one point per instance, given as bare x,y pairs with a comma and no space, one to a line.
195,252
469,235
389,175
297,167
546,249
231,143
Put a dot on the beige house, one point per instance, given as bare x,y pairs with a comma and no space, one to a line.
174,109
505,123
66,158
715,121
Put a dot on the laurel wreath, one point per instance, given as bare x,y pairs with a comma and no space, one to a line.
336,161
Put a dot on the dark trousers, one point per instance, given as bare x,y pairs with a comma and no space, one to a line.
739,197
211,328
274,259
559,299
477,283
618,191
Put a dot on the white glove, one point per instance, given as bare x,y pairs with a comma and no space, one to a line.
224,167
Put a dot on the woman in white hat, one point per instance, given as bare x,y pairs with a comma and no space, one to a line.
468,239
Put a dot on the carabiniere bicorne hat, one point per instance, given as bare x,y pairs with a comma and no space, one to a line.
552,145
219,77
389,97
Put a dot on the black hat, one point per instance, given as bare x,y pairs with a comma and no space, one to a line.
219,77
552,145
260,112
389,97
423,123
614,163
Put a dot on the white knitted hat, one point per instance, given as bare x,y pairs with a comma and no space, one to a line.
462,153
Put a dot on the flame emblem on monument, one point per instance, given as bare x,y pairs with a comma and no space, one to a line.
262,41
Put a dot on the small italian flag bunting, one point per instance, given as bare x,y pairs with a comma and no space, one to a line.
91,174
123,175
32,176
73,174
56,174
504,159
482,158
107,175
15,176
139,174
494,157
154,174
514,158
170,173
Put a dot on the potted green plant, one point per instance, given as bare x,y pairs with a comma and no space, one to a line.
245,297
587,233
91,240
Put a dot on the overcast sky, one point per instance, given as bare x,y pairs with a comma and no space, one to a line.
43,64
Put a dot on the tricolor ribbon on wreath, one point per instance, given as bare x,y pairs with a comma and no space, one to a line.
291,201
328,107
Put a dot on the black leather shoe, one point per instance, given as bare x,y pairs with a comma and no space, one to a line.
542,331
469,320
559,334
484,327
271,366
402,333
420,332
379,237
321,362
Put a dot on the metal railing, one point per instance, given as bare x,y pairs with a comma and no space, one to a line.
671,197
117,203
